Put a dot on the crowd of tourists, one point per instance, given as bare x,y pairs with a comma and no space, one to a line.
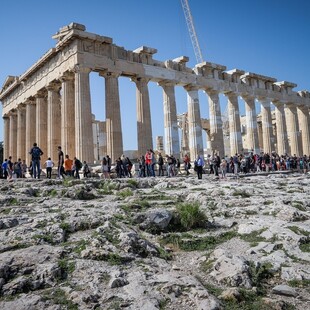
151,164
65,166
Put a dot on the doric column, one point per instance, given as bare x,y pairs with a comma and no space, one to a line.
41,124
30,127
54,120
304,123
251,124
266,125
282,143
6,136
144,123
13,133
172,141
114,135
216,124
83,117
68,114
293,129
234,124
194,123
184,135
21,132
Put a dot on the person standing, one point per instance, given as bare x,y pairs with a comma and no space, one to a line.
49,165
68,163
60,169
36,154
77,166
160,162
187,163
199,164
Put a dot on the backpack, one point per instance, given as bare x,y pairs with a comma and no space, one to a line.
78,164
36,153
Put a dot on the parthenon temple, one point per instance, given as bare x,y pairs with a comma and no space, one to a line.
50,103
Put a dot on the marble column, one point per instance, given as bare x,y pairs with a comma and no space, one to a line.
83,116
266,126
172,141
304,123
21,131
30,127
144,123
12,136
251,125
41,123
114,135
282,143
194,123
216,124
6,136
184,135
293,129
234,124
68,115
54,121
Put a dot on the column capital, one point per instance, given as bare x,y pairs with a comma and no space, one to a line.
67,76
211,92
30,100
21,106
109,74
53,86
166,83
190,87
138,79
79,68
40,94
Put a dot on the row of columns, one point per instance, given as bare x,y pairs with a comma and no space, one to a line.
52,118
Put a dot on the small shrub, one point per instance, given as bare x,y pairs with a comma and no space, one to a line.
190,215
125,193
241,193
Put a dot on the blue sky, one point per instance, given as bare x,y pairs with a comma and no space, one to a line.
268,37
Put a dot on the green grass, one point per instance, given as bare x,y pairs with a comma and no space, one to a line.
58,296
299,283
189,243
190,215
299,231
241,193
5,211
305,245
254,237
80,246
125,193
133,182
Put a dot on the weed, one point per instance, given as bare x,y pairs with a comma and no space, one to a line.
58,297
253,237
66,268
299,231
125,193
241,193
5,211
190,215
299,283
53,192
132,182
80,246
259,274
298,205
267,202
45,237
305,245
13,202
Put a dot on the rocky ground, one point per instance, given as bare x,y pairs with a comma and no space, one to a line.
156,243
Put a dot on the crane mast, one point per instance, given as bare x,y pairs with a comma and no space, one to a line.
192,32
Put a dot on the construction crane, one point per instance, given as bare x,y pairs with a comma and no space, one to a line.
192,32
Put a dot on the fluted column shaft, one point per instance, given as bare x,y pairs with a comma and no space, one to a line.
41,124
216,124
172,141
144,122
6,140
282,143
194,123
304,123
293,129
251,125
113,123
68,115
83,117
30,127
234,124
21,132
266,126
54,121
13,133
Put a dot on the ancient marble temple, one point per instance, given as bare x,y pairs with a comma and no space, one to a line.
50,103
